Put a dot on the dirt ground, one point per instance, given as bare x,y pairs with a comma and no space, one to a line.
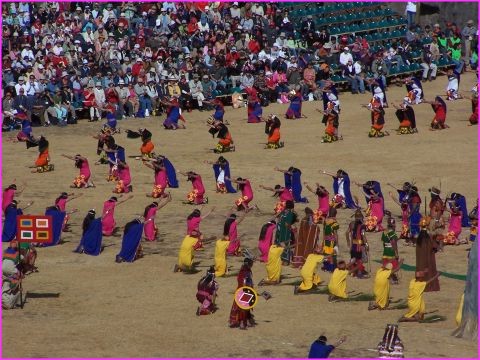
143,309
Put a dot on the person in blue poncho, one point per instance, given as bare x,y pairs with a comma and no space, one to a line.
221,169
341,188
131,246
9,231
294,183
320,350
91,242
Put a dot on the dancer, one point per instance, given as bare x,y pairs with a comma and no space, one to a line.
341,188
357,241
42,164
219,109
473,119
473,217
193,225
378,89
195,196
310,279
132,241
225,142
323,202
173,115
239,317
150,229
230,230
124,178
83,179
416,304
377,118
381,286
453,84
108,215
273,265
406,117
282,193
221,170
272,129
285,230
414,90
61,203
460,201
330,241
220,256
454,225
294,110
337,286
254,108
390,248
186,253
391,346
331,121
91,241
247,194
165,175
9,194
265,240
58,218
9,231
207,289
26,133
146,150
425,251
375,210
440,109
293,182
437,223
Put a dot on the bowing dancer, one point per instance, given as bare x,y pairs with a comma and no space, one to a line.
9,194
414,90
294,110
124,178
454,224
310,278
341,188
187,253
195,196
272,129
207,289
42,164
108,215
165,175
26,132
230,229
193,225
114,152
150,229
375,209
9,231
91,241
146,150
265,239
274,265
220,255
132,241
242,203
221,170
225,141
377,118
219,109
381,286
293,181
331,121
284,194
174,114
440,109
323,197
58,218
61,203
83,179
406,117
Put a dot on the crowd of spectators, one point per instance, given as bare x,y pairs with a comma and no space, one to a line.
63,58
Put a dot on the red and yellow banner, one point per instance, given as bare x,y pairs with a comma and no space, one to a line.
34,228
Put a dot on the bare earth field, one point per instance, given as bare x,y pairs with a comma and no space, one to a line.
143,309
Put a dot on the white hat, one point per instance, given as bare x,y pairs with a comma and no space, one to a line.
98,83
64,74
144,13
121,82
41,66
137,46
85,61
235,3
346,48
77,41
78,8
207,8
152,69
122,14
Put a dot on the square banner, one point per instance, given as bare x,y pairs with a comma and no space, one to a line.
34,228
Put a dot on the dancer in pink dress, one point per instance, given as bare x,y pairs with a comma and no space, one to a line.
165,175
61,203
124,178
284,194
193,226
196,196
247,195
323,202
9,194
266,239
454,225
374,219
83,179
230,230
108,215
150,230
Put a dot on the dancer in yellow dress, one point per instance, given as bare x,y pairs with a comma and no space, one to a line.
221,256
381,287
338,282
310,278
186,253
416,304
274,265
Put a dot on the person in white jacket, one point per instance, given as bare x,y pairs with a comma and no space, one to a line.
196,90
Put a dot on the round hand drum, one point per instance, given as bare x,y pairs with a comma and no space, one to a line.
246,297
